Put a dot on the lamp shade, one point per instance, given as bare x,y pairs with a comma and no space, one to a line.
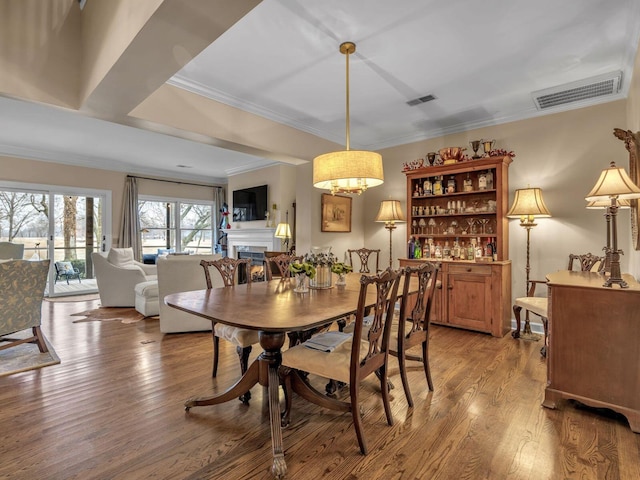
348,171
606,202
390,212
528,202
613,182
283,231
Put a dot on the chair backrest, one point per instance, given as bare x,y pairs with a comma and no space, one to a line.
587,262
12,251
414,317
280,265
228,268
365,254
22,284
377,339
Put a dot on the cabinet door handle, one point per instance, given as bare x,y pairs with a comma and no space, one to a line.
469,269
450,287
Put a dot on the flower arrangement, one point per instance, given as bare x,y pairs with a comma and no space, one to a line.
340,268
305,267
320,258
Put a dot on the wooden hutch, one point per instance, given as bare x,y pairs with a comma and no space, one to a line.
474,294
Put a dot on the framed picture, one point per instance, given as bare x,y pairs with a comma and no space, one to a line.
336,213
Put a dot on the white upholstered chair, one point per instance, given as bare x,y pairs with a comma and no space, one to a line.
182,273
117,274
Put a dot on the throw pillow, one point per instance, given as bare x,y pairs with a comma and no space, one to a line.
121,257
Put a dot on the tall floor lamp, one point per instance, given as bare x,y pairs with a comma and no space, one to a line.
528,205
606,205
390,212
614,184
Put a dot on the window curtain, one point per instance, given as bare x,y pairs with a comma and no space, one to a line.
219,199
130,231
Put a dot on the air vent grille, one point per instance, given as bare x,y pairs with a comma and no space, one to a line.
418,101
603,85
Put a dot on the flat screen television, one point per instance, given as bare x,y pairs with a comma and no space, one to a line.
250,204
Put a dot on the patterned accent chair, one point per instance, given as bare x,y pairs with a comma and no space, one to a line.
22,285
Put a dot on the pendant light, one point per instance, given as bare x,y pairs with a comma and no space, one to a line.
347,171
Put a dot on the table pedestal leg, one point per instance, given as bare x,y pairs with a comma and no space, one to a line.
270,361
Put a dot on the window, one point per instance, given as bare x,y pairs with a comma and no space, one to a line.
177,225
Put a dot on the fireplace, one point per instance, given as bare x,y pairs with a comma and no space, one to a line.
252,243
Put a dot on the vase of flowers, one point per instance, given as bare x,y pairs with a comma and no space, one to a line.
341,269
302,272
322,259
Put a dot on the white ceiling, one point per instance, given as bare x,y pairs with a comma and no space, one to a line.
480,59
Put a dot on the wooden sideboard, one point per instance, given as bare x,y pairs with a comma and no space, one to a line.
475,296
594,343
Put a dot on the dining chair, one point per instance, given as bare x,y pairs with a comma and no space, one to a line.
279,265
365,254
412,328
242,338
539,305
351,361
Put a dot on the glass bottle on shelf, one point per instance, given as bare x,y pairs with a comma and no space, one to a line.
451,184
482,181
425,250
446,251
489,180
456,250
438,251
432,248
417,252
428,187
467,184
479,250
471,249
462,254
437,186
416,192
411,247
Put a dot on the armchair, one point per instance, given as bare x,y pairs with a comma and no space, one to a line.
117,274
66,270
22,285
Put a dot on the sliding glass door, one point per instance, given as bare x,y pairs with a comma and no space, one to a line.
63,224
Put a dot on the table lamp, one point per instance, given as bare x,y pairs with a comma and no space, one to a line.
390,212
528,205
605,204
614,185
284,231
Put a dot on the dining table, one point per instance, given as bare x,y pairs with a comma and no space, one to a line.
273,309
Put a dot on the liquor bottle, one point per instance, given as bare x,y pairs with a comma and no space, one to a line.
446,251
437,186
471,249
432,249
417,252
456,250
411,248
428,187
426,253
482,181
416,192
451,184
488,248
438,251
479,251
467,184
463,251
489,180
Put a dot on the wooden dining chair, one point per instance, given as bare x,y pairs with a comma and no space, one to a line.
365,255
242,338
279,265
350,362
412,328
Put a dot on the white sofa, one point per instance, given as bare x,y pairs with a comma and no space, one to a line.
182,273
117,275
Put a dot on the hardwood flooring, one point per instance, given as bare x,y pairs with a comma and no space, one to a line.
113,409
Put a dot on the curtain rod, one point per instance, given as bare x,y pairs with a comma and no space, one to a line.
173,181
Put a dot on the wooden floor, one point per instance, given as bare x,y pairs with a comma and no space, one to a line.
113,410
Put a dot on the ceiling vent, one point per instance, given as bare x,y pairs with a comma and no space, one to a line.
418,101
601,85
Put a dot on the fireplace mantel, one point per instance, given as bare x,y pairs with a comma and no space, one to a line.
251,237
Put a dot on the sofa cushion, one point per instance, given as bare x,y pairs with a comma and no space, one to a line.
121,257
